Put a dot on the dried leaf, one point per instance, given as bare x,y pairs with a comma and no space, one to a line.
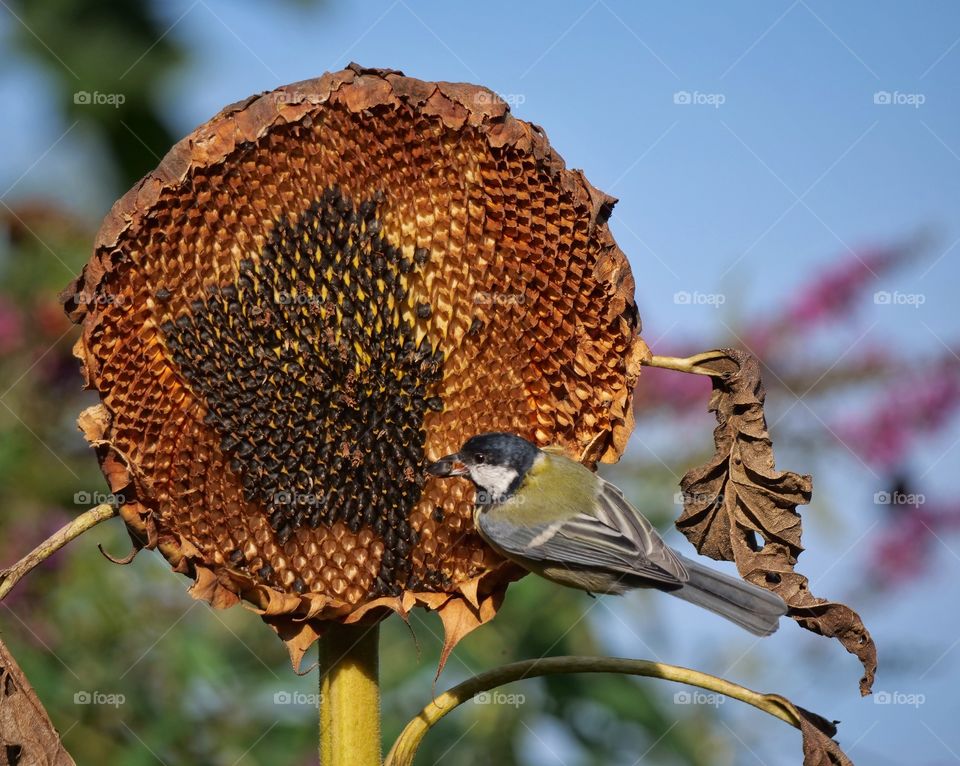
819,747
738,507
26,734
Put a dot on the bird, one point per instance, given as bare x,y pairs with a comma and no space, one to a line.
558,519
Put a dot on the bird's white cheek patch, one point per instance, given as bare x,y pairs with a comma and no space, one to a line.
495,479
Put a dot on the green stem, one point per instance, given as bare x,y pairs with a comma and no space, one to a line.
350,696
405,748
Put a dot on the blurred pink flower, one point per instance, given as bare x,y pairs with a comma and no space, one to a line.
49,318
904,551
20,536
834,292
917,406
831,294
659,390
11,326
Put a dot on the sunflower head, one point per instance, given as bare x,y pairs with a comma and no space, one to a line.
316,293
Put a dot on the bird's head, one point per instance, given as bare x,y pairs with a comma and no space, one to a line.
495,462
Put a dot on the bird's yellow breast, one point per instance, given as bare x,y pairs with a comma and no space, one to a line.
554,488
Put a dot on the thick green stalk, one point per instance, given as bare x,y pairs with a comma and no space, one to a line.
350,696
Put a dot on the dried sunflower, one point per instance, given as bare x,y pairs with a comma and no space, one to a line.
315,293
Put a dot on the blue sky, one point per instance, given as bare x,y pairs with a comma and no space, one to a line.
782,160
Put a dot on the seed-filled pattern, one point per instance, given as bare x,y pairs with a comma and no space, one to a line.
317,292
315,382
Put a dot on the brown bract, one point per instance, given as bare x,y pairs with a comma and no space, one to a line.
314,294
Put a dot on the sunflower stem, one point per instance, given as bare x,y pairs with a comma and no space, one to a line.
692,364
350,696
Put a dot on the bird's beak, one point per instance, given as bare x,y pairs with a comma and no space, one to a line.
451,465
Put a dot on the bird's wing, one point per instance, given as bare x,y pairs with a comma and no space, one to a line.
615,537
613,510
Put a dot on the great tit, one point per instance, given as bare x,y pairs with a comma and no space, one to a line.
556,518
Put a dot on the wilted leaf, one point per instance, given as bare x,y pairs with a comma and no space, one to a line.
26,734
819,747
739,508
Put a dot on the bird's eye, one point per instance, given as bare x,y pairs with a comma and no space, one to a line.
481,459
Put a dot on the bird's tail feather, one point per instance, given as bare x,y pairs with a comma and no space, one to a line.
749,606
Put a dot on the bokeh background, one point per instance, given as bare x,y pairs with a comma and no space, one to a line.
789,180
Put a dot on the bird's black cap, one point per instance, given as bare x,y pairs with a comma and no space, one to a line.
495,448
500,448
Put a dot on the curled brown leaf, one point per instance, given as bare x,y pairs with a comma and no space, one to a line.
819,747
738,507
26,734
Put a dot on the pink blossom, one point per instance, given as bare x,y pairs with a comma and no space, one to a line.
914,407
11,326
905,550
